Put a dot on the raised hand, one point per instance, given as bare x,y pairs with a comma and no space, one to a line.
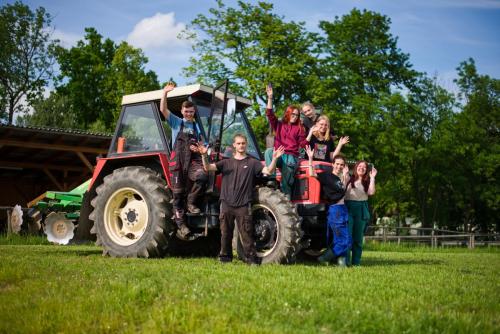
344,140
373,172
269,90
345,171
310,152
168,87
278,152
315,128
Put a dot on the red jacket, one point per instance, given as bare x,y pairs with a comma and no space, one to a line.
291,136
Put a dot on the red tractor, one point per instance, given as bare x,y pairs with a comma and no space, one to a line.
131,201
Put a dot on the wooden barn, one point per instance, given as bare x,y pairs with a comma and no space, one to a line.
36,159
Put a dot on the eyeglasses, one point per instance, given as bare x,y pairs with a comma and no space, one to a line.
295,114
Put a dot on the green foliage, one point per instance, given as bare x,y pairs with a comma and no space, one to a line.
95,74
74,289
55,111
477,148
26,56
362,58
252,46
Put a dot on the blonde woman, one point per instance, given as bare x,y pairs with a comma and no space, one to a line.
321,141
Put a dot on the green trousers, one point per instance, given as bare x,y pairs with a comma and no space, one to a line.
287,164
359,215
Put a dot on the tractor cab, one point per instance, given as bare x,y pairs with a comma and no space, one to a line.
142,129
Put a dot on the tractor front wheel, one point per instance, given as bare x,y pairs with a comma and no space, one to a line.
132,213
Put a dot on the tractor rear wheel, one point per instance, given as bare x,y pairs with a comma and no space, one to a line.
277,228
132,213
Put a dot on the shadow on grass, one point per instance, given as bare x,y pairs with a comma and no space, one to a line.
374,262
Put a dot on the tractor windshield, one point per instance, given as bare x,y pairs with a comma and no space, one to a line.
227,118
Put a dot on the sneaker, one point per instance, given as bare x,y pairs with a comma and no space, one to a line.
341,262
193,209
326,257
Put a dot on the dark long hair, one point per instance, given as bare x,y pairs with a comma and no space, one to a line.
365,179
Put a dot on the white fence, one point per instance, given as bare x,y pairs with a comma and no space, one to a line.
430,236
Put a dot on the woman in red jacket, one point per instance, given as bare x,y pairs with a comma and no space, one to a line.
290,134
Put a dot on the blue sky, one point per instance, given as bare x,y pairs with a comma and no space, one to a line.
438,34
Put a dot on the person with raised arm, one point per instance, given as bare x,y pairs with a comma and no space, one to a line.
188,178
290,134
321,141
359,188
239,174
333,187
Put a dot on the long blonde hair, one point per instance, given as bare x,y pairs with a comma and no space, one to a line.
327,133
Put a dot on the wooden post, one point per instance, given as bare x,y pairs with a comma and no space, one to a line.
9,224
384,233
471,240
433,240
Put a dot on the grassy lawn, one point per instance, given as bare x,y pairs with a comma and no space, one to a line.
73,289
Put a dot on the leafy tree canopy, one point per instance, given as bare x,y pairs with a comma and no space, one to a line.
26,56
96,73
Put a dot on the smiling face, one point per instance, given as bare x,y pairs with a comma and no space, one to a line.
338,166
294,116
361,169
188,113
322,126
308,111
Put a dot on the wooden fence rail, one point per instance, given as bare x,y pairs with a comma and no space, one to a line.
434,237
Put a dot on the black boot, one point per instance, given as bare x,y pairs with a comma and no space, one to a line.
326,257
182,229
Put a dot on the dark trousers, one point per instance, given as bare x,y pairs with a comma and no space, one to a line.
191,182
243,217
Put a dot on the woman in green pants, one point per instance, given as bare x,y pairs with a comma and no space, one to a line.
360,186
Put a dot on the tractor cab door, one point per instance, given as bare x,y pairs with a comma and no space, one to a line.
228,118
216,120
139,130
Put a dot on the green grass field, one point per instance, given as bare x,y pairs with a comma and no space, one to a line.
73,289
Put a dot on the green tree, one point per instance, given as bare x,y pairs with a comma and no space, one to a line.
251,46
412,151
53,111
478,148
26,56
95,74
361,57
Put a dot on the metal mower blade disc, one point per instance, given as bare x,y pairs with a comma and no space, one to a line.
58,228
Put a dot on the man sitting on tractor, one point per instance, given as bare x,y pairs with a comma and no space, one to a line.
187,173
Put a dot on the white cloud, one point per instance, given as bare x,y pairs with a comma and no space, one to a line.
158,31
66,39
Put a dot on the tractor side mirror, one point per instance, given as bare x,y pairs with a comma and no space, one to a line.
231,107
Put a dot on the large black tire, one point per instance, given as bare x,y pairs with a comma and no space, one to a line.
277,227
132,213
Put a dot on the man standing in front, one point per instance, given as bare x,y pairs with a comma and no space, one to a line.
239,174
188,177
